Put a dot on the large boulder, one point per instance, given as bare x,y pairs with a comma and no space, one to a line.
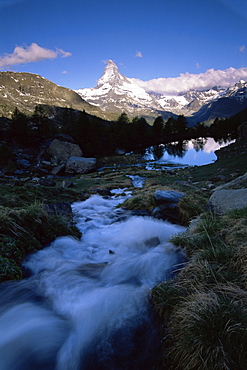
240,181
222,201
61,151
167,205
80,165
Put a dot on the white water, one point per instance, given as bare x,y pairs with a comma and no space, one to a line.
87,303
137,181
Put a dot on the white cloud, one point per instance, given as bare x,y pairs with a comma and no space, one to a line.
65,72
32,53
242,48
187,81
63,54
198,66
139,54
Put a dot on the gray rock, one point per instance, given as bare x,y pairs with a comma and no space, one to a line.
46,163
167,196
167,205
23,162
152,242
63,150
67,184
35,179
104,192
47,182
58,169
185,183
234,183
222,201
120,151
62,209
80,165
25,179
169,212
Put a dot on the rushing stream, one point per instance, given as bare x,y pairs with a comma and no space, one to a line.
86,304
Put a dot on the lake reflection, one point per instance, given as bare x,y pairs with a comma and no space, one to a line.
188,152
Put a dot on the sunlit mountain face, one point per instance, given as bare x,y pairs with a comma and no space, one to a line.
117,93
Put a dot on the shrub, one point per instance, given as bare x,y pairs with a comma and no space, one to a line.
9,270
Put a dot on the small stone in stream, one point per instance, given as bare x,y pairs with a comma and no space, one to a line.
152,242
104,192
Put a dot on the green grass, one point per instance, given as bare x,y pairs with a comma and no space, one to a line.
210,331
16,196
204,308
225,167
24,230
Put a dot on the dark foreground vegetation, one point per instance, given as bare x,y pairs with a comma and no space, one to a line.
203,309
97,137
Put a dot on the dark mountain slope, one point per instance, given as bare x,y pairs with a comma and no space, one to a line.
26,90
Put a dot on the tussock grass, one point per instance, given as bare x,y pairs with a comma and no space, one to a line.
202,233
191,206
204,309
141,201
25,230
210,331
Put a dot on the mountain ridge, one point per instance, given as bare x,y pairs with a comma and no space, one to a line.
116,93
26,90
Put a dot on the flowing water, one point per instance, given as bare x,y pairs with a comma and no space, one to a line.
86,304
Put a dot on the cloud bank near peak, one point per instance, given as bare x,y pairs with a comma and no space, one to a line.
30,54
200,81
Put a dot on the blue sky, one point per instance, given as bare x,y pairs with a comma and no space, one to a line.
68,41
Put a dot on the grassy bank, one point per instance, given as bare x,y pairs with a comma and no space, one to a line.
27,223
203,310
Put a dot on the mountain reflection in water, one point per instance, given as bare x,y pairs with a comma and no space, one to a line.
188,152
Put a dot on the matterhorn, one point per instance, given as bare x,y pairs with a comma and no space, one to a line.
116,93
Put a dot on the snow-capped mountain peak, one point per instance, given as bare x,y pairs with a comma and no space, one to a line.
111,74
116,93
